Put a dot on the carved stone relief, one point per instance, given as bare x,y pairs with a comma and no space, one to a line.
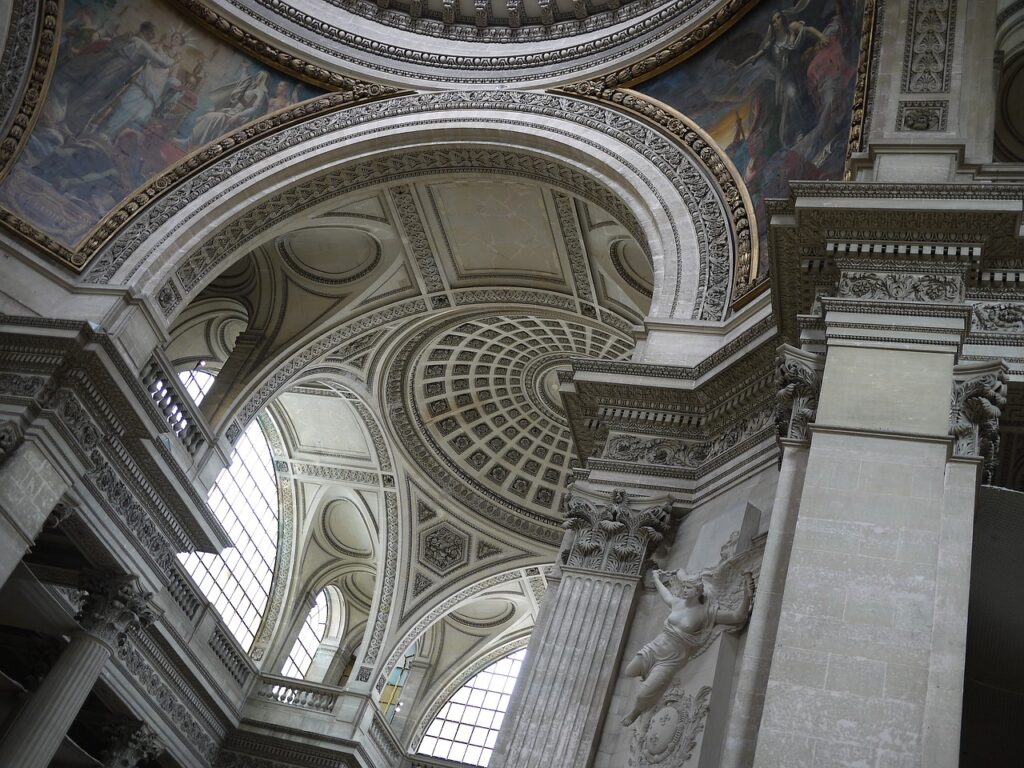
929,115
798,375
113,606
931,27
615,537
669,737
900,287
979,395
701,607
999,317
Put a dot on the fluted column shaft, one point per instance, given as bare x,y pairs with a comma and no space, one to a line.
560,702
44,720
571,664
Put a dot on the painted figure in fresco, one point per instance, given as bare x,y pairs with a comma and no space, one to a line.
701,607
115,84
238,103
782,47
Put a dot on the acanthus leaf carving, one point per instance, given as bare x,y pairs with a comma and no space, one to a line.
979,395
900,287
615,537
114,606
1000,317
798,375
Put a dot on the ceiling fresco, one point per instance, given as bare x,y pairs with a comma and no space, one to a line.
775,92
135,89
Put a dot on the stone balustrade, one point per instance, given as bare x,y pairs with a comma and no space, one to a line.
177,408
296,693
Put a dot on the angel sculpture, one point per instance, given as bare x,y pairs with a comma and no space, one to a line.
701,608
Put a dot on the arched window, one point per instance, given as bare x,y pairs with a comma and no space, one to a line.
466,727
310,635
244,499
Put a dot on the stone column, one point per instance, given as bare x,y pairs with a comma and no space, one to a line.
869,654
561,699
112,607
799,379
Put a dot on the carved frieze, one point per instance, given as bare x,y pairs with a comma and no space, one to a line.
888,286
998,317
616,537
979,395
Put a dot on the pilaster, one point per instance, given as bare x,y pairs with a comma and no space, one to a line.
869,650
560,702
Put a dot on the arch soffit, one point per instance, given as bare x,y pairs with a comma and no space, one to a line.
417,625
652,172
283,588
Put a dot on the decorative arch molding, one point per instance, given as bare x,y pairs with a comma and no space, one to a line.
29,55
388,540
422,52
458,680
397,647
167,248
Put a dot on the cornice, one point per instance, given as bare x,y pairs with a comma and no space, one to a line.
274,56
487,60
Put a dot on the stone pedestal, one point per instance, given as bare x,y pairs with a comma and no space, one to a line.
112,607
572,661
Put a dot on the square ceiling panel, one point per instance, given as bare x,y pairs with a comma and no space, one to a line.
496,228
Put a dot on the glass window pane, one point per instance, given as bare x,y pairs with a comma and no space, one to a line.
244,499
466,727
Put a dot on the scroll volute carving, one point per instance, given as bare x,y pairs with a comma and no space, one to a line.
615,537
979,395
798,377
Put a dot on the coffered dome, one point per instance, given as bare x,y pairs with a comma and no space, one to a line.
482,414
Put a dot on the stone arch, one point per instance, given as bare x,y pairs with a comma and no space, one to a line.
679,188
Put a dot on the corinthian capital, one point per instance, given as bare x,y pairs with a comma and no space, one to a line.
614,537
798,376
979,395
113,606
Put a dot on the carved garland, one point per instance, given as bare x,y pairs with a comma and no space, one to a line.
46,22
